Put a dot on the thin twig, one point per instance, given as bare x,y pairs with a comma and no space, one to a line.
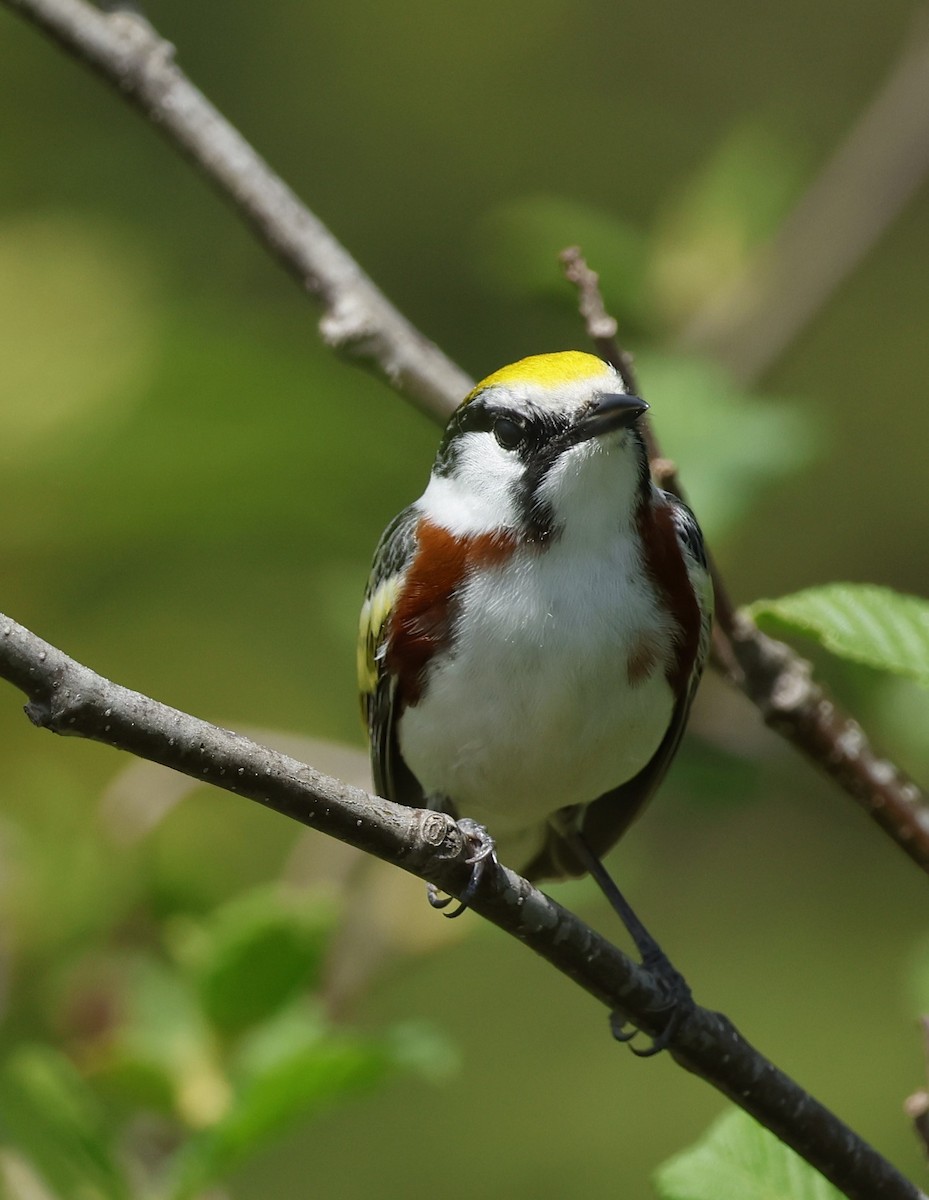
68,698
776,679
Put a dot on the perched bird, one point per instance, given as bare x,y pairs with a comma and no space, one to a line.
536,623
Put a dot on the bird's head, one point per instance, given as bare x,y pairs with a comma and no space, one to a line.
544,441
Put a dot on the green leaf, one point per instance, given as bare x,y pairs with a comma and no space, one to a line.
866,624
161,1054
739,1160
288,1070
257,953
50,1115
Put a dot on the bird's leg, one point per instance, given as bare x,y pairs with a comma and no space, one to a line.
483,851
654,959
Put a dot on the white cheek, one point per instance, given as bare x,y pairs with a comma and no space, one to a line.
479,496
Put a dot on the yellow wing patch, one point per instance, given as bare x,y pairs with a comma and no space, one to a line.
374,612
547,370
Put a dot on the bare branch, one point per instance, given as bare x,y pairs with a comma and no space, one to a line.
357,318
68,698
601,326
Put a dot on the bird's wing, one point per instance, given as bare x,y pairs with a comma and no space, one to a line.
377,684
604,821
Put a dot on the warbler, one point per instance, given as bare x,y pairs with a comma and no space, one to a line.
535,625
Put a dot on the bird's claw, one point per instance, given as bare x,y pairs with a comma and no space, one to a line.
679,1004
619,1030
483,851
481,842
436,898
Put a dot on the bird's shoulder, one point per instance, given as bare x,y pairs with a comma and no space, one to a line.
693,549
392,558
686,528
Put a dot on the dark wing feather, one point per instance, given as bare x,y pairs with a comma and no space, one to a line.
396,549
604,821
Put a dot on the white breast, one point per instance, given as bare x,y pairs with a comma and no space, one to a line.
534,709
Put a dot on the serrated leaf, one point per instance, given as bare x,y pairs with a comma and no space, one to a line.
51,1116
737,1159
864,623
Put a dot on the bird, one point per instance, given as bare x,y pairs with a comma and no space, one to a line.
535,625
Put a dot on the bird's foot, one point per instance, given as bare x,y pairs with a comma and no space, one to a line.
483,851
679,1003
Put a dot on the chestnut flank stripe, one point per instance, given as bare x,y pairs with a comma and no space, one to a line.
665,566
421,621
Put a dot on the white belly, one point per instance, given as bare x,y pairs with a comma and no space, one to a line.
534,709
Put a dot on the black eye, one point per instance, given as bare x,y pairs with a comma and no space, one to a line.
509,434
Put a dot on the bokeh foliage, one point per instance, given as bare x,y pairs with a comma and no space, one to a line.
190,492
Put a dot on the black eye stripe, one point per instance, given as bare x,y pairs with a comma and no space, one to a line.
473,418
536,429
541,433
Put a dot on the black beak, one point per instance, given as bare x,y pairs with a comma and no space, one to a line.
619,411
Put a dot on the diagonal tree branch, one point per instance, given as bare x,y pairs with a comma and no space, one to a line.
68,698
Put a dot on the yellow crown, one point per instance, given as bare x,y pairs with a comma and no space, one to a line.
546,371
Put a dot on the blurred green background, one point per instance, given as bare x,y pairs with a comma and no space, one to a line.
191,489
